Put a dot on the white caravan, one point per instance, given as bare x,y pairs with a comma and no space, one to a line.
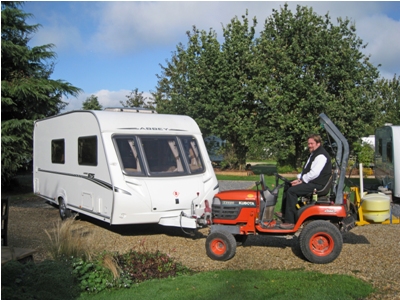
387,158
125,166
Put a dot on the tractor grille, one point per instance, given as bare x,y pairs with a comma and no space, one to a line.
225,212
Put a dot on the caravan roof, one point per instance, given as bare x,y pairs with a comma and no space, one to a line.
112,120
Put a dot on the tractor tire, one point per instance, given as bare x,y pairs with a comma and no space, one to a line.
65,213
220,245
320,242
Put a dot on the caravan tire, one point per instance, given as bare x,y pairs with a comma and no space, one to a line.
65,213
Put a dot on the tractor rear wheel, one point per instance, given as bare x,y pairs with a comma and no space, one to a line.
220,245
320,242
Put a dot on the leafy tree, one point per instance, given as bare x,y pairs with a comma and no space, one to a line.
210,83
312,66
189,82
237,120
27,92
136,99
267,92
388,97
92,103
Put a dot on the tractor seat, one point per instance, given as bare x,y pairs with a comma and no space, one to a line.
268,202
324,191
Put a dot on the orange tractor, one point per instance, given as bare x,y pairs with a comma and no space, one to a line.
321,220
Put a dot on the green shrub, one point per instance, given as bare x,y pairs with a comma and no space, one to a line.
38,281
286,169
114,271
95,276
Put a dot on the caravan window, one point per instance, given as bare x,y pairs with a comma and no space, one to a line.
128,155
158,156
380,147
58,151
87,150
192,154
163,155
389,152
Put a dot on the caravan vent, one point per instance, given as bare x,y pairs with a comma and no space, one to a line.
131,110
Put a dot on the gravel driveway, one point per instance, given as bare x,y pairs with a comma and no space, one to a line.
370,252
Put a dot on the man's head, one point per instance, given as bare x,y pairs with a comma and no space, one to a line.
314,141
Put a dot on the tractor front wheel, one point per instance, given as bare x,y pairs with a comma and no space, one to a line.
220,245
320,242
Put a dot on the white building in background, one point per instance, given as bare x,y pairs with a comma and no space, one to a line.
370,140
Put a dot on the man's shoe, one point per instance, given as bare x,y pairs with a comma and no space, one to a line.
286,226
280,215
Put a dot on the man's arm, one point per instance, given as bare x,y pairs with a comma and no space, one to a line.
316,168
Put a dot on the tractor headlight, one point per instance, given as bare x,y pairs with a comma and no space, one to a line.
216,201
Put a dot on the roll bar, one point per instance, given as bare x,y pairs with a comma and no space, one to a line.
342,154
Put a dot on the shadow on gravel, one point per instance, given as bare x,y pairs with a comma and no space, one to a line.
354,239
275,242
144,229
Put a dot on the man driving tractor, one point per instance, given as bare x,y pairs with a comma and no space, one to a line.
316,173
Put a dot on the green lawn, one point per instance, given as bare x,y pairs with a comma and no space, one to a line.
245,284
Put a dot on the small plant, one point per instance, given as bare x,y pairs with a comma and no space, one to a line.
141,266
69,240
100,274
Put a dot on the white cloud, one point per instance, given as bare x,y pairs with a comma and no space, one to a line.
130,26
57,27
63,37
383,37
127,27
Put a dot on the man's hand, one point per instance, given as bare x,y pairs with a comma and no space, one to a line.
296,182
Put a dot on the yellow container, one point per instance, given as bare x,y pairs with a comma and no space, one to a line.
375,202
376,216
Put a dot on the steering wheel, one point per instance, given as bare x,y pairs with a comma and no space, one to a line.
282,178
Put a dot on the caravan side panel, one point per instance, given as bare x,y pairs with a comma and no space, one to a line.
70,164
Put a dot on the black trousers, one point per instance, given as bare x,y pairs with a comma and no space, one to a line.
290,198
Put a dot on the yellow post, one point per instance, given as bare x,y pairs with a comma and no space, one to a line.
357,203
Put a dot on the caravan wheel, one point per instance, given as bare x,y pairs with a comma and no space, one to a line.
65,213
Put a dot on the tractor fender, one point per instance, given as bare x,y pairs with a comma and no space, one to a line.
321,211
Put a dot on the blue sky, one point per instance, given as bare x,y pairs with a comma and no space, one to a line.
108,48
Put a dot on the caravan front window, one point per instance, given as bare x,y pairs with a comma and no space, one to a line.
159,155
162,155
192,154
128,155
